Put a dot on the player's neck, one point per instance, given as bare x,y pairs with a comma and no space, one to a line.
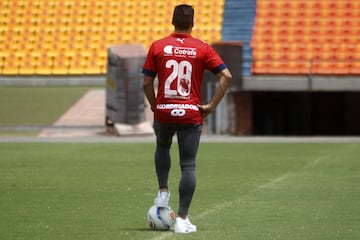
188,31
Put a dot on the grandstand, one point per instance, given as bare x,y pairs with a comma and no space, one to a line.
300,66
301,37
71,37
299,54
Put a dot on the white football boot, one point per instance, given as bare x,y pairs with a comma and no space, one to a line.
184,226
162,199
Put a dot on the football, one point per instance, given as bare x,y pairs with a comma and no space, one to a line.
160,218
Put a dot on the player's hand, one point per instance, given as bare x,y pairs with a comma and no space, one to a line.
205,110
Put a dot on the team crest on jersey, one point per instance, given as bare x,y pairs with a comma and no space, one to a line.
184,87
170,50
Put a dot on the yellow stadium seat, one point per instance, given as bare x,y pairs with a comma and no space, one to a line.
66,25
43,67
77,66
61,66
10,66
27,67
3,59
93,66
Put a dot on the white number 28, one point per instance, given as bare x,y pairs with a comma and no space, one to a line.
182,72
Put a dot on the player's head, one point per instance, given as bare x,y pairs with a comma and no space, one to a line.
183,17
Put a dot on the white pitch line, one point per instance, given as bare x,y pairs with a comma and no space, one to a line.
218,207
164,236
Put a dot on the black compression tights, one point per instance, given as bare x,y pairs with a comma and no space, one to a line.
188,136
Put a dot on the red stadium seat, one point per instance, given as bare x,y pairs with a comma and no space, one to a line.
355,67
318,30
341,67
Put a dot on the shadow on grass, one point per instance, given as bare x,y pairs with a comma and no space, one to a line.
145,230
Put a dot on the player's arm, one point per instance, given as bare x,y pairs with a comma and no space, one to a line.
148,86
224,82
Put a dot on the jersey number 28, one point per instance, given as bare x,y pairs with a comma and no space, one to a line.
182,72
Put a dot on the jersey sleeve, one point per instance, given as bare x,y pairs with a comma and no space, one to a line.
149,67
214,63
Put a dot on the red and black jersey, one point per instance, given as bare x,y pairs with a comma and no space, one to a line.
179,61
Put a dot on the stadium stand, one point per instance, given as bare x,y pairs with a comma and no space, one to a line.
279,37
238,26
49,37
306,37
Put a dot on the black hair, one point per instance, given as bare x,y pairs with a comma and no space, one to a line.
183,17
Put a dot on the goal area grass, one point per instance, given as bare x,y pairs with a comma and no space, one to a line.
244,191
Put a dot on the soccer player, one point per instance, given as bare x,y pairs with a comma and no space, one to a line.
179,61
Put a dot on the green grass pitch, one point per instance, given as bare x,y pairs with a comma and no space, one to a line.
33,106
245,191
